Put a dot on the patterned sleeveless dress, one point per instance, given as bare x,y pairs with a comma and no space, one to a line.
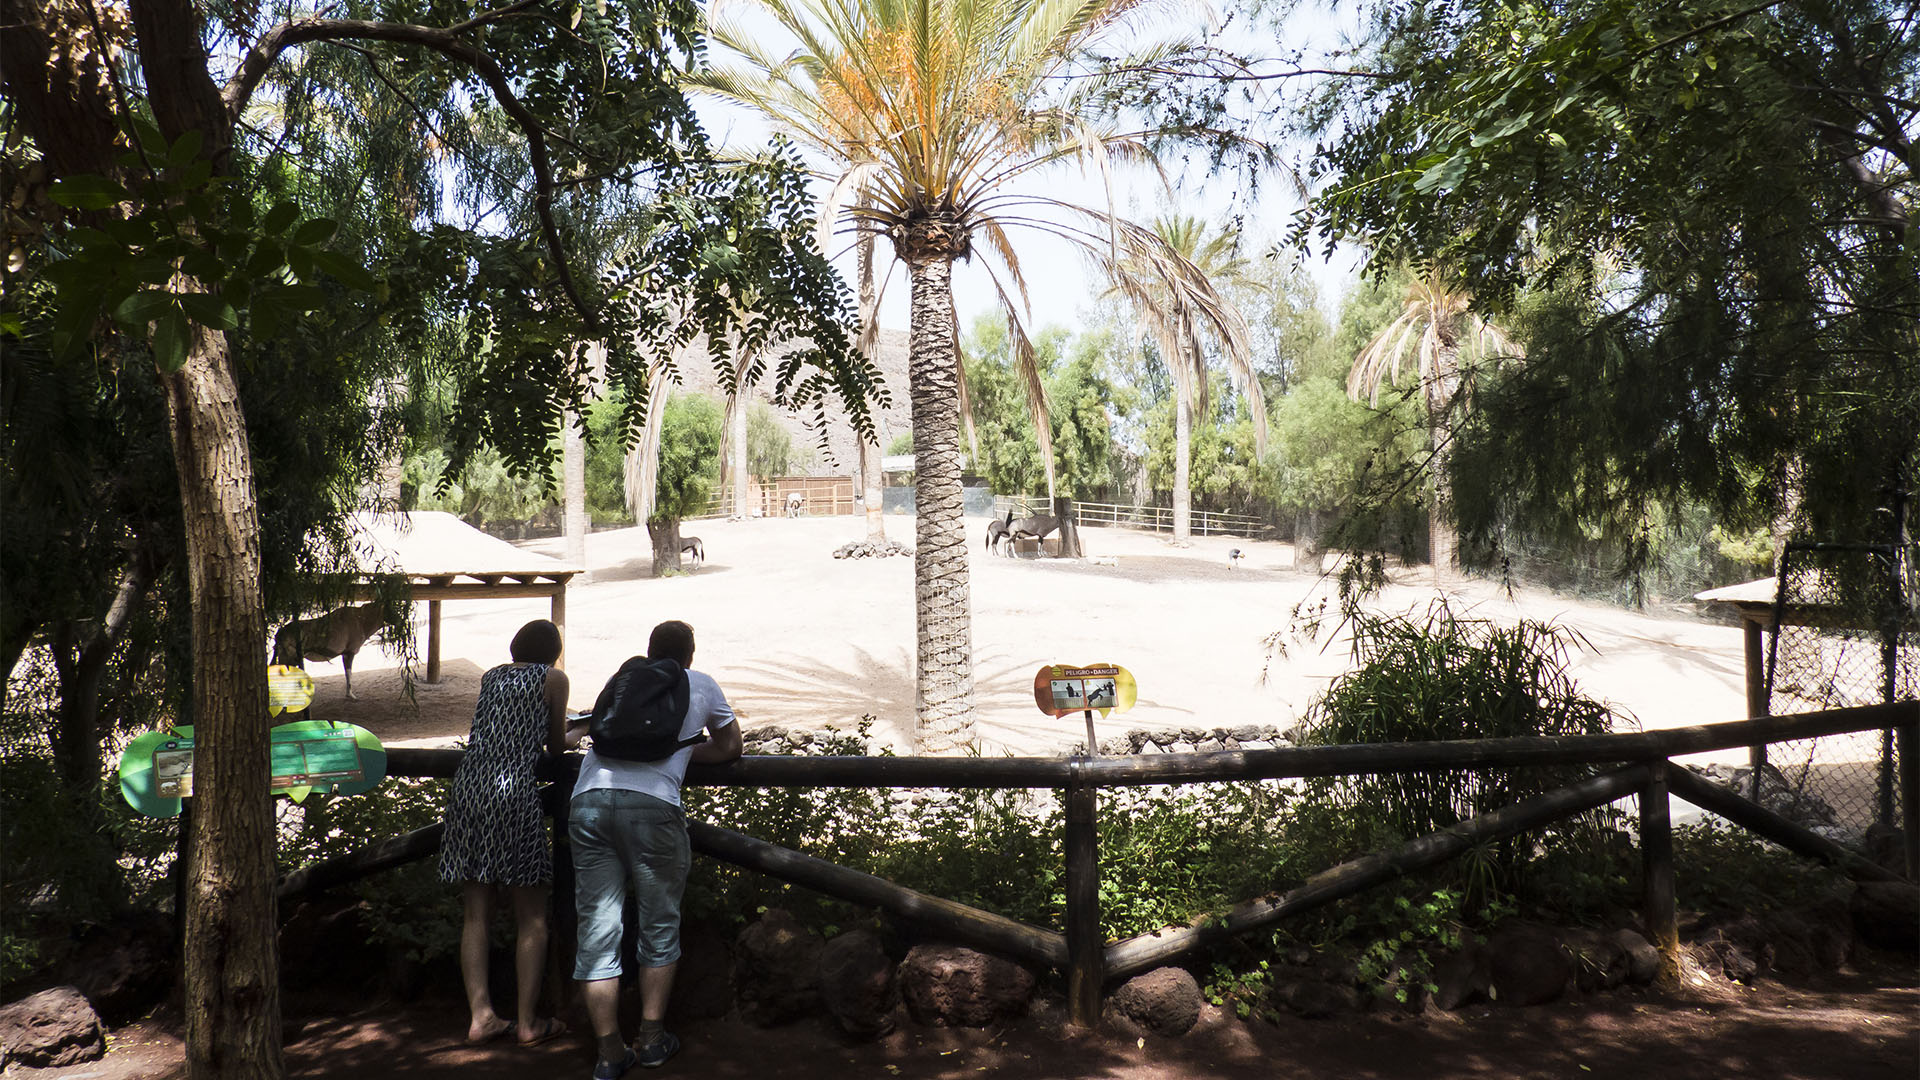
494,833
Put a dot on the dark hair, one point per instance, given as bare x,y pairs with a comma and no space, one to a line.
671,640
538,642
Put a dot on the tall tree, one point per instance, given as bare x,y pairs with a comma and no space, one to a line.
1436,327
1177,291
163,237
930,115
1716,202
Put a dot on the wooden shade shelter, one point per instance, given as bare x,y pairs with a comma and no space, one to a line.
444,558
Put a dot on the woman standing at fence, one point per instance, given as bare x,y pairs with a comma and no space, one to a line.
495,837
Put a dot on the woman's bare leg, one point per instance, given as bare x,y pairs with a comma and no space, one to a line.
530,953
476,901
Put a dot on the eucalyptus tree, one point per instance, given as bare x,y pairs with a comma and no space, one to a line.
934,118
1177,289
158,227
1436,328
1715,205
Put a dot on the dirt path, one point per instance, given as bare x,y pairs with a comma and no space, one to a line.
1858,1025
803,640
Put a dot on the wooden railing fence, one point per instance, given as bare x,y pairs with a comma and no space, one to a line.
1644,769
1155,518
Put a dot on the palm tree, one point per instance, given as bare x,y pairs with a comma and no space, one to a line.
1436,325
1175,294
929,112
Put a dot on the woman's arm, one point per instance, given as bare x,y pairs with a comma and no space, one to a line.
555,692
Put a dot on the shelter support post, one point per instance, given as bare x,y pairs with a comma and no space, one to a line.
559,618
1086,959
1656,853
1757,704
433,641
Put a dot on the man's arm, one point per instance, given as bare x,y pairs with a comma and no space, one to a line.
725,746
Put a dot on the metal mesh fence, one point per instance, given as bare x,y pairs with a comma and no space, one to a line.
1846,636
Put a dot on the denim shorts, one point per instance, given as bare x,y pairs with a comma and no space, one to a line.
623,838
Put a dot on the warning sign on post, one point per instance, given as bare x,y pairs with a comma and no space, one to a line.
1103,688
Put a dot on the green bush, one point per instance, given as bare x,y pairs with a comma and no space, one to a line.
1721,869
1446,677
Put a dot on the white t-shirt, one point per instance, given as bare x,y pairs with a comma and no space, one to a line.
707,709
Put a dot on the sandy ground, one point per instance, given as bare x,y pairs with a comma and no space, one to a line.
800,639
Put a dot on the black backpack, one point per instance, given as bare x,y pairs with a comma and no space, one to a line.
639,713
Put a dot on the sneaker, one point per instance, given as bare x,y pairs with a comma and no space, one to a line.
614,1070
655,1054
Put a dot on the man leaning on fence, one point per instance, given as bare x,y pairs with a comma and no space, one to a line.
627,828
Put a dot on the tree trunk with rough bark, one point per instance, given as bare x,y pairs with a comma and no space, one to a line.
573,473
872,476
741,480
942,608
1443,543
1182,463
230,965
666,545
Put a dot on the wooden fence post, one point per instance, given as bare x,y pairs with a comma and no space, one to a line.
1086,961
1757,703
1656,853
1909,748
433,641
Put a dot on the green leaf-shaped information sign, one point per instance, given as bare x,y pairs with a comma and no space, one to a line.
156,771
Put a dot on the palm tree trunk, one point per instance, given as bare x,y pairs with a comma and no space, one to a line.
231,969
943,612
573,471
872,482
1182,462
739,452
1443,543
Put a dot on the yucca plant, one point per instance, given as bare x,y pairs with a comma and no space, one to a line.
931,118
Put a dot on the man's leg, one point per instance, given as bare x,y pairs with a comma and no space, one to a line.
603,1009
656,985
600,889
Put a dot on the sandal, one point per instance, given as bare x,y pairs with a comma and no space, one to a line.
554,1029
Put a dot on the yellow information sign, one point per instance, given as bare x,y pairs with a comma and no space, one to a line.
289,689
1103,688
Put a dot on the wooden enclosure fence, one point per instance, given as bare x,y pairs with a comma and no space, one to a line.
1154,518
820,496
1641,761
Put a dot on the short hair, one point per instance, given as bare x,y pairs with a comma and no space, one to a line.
538,642
671,640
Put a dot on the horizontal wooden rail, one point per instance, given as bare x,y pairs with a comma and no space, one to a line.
385,855
970,926
1281,763
1148,951
1788,834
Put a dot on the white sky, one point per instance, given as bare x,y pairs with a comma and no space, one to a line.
1059,282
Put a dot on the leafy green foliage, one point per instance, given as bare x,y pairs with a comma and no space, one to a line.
186,227
689,456
1719,236
1722,869
1073,371
771,450
1447,677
